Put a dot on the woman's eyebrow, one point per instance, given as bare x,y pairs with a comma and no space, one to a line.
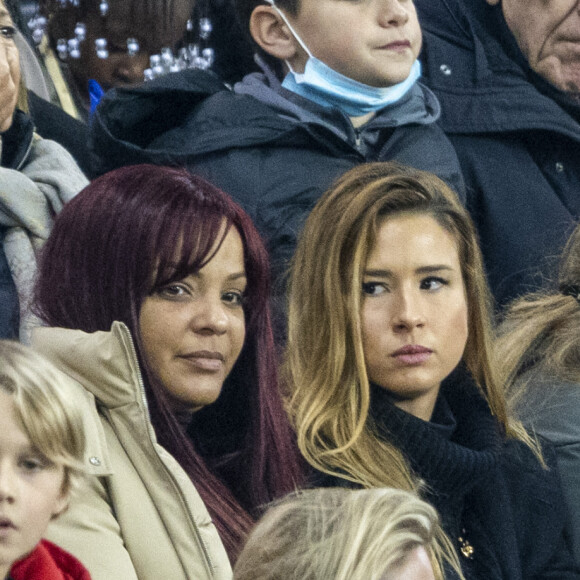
378,273
430,269
434,268
230,277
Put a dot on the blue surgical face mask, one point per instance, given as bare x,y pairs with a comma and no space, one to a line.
329,88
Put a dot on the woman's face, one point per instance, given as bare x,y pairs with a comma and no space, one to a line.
193,330
9,69
413,311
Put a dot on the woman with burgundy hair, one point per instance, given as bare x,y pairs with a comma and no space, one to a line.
155,285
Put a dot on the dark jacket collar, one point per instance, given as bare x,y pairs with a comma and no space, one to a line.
420,106
17,140
154,123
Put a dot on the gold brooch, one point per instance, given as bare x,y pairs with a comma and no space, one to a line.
466,548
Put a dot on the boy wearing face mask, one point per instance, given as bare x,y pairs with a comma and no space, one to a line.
339,87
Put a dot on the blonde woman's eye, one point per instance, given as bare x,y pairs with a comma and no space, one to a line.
433,283
8,32
373,288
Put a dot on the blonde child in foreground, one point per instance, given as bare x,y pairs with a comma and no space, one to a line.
371,534
42,442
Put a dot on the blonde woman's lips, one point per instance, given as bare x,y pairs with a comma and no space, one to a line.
412,354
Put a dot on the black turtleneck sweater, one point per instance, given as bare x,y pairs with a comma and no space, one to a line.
455,453
490,492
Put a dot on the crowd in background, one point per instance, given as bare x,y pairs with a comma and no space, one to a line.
311,260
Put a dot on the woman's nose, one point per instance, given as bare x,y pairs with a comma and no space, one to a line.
211,316
408,312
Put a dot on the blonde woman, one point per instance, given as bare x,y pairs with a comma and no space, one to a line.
389,364
370,534
539,356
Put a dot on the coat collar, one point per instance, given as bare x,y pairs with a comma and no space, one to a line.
105,363
16,142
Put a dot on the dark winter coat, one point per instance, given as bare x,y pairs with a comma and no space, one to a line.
16,143
516,136
490,491
51,122
273,151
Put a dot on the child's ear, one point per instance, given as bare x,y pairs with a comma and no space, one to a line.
271,33
62,502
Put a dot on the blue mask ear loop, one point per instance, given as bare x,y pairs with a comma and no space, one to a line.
294,33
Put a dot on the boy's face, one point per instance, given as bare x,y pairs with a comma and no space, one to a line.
31,490
374,42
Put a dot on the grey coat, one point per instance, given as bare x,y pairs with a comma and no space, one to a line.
551,408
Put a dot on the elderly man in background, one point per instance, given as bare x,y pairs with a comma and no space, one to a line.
507,73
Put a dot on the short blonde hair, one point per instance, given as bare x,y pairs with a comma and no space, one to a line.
343,534
54,427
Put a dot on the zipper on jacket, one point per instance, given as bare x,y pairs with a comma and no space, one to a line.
204,547
26,154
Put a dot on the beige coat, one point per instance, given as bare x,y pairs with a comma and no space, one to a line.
138,516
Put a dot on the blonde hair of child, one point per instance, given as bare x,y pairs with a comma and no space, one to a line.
54,427
343,534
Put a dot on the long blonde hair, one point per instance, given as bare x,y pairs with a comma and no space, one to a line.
541,330
344,535
325,367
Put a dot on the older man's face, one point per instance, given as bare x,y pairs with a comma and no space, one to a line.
548,33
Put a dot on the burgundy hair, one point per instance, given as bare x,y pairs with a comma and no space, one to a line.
113,245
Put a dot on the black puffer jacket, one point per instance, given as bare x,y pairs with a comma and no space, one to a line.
516,136
273,151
